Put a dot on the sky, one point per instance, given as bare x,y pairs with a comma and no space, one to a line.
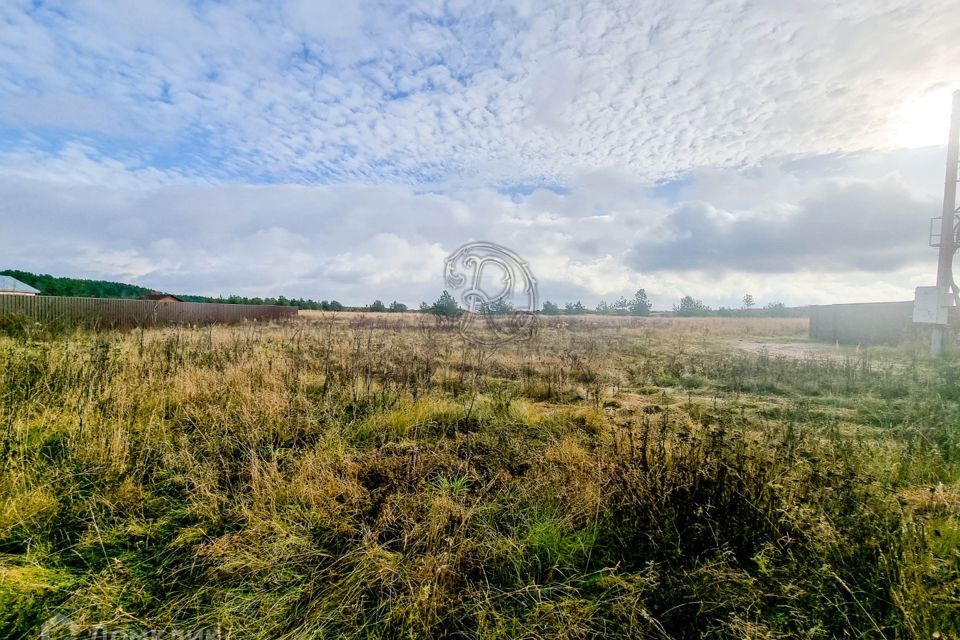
341,150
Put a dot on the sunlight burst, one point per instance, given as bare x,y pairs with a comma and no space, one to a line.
924,119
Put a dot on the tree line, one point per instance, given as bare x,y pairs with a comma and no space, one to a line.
639,305
445,305
690,306
281,301
83,288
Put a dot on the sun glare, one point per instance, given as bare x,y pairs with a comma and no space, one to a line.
924,119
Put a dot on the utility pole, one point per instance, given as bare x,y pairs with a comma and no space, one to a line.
948,239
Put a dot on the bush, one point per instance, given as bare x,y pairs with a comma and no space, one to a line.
16,325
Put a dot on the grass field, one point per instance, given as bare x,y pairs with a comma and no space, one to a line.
363,476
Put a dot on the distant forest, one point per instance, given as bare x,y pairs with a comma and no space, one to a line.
639,305
80,287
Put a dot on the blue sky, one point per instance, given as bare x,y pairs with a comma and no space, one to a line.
342,150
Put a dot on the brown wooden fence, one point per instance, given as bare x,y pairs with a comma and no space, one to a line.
127,314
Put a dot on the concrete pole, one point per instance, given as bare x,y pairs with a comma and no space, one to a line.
947,240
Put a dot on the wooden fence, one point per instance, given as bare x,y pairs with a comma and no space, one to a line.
128,314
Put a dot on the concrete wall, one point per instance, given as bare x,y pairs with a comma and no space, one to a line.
863,323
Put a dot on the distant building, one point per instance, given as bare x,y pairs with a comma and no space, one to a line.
13,287
162,297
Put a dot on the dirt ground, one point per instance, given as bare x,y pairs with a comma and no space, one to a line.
797,350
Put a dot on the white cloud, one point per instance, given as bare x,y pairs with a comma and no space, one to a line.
362,91
341,149
799,236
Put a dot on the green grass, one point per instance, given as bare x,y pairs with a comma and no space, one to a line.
333,479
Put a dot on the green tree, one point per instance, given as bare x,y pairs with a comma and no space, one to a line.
77,287
498,308
83,288
397,307
378,306
574,308
640,305
550,309
748,301
621,307
691,307
445,306
335,306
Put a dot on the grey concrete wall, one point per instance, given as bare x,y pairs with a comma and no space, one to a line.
862,323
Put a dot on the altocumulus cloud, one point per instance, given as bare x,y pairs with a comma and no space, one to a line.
341,149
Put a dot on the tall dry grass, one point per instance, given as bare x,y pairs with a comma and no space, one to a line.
362,476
